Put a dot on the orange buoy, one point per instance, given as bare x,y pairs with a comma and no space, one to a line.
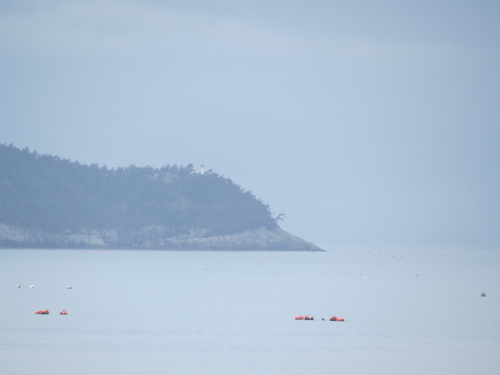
336,319
309,317
64,312
42,312
299,317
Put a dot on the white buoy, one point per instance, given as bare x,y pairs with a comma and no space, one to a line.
18,286
31,286
69,287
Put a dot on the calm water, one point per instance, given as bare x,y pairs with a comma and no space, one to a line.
406,310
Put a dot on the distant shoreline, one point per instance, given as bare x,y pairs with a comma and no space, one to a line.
154,238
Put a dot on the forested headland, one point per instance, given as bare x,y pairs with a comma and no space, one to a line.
46,198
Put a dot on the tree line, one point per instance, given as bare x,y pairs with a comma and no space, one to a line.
50,194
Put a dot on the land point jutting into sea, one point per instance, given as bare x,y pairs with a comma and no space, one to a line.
49,202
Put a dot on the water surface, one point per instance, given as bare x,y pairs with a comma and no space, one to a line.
407,310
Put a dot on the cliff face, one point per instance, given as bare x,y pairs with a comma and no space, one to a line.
155,237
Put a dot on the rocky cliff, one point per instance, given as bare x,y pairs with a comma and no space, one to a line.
155,237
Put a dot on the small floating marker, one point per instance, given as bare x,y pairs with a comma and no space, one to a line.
483,294
299,317
18,286
69,287
64,312
336,319
31,287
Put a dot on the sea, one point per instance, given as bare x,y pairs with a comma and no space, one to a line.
407,310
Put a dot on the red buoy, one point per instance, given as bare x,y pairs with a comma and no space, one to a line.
64,312
299,317
336,319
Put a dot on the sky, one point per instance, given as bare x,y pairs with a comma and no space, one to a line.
365,122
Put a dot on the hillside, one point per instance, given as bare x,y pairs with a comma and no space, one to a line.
46,201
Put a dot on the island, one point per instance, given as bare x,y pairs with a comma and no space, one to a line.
49,202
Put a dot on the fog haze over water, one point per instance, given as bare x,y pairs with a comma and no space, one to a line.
374,126
364,122
406,310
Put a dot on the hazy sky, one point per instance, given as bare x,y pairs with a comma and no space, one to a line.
365,122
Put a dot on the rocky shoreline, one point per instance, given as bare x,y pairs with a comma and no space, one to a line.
155,237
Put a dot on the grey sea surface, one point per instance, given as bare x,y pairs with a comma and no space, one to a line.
407,311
